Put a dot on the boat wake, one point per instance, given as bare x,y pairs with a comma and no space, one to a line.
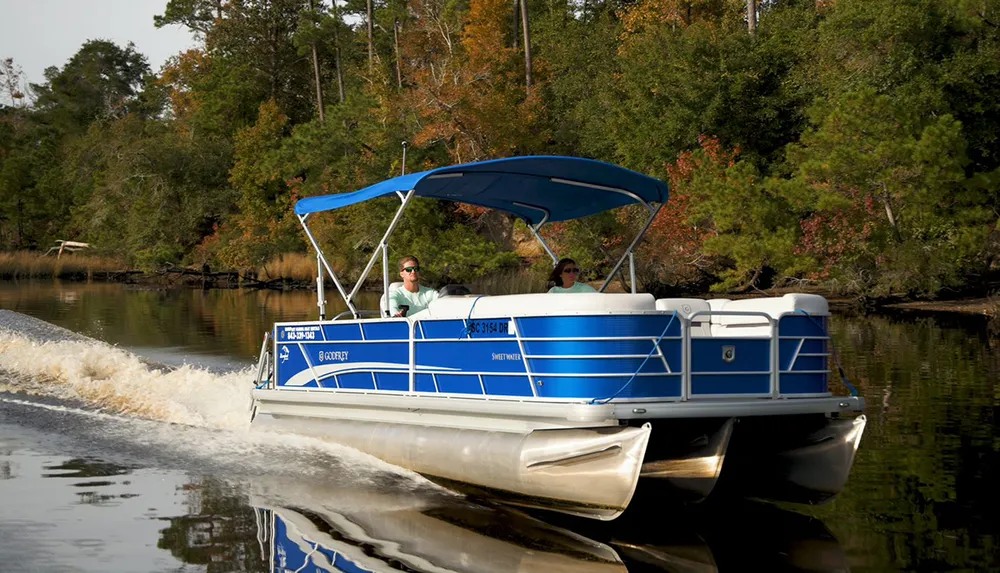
37,358
70,387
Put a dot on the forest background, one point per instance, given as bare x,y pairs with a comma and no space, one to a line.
848,145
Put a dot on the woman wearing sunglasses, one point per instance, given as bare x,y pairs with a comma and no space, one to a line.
565,276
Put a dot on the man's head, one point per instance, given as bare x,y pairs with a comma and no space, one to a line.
409,270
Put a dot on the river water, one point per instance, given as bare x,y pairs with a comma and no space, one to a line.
128,450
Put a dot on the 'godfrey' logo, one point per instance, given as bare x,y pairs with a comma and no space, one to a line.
333,356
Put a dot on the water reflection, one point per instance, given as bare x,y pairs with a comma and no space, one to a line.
395,532
64,513
922,495
924,487
162,323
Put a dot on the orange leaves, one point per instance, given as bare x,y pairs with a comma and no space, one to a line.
483,36
641,16
467,84
688,162
180,74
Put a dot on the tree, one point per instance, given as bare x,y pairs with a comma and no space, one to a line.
101,81
886,200
12,84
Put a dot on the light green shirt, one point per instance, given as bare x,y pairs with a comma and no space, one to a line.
417,300
577,287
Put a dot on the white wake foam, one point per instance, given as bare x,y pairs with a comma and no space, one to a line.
202,417
113,380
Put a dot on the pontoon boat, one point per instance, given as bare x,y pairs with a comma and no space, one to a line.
565,402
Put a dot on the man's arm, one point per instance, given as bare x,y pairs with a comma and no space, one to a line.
393,303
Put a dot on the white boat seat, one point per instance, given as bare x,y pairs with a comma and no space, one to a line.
701,325
536,304
755,325
383,303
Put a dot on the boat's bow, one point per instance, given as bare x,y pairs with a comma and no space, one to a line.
590,472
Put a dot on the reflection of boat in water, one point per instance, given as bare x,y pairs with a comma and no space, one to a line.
736,537
379,532
565,402
387,532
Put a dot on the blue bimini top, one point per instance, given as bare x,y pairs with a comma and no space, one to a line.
535,188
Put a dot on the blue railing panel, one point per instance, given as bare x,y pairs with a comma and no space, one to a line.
507,385
501,357
730,384
354,380
386,330
341,332
804,383
610,326
398,382
624,366
802,325
593,387
466,356
459,384
749,354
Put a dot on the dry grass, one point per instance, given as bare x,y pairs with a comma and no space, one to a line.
292,266
520,281
30,265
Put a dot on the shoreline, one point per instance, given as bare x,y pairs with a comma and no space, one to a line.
970,305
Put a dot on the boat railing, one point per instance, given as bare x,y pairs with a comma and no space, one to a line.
615,362
775,388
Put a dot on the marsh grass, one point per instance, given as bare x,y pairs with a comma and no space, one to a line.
31,265
302,267
290,266
518,281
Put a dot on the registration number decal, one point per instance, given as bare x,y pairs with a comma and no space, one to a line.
489,327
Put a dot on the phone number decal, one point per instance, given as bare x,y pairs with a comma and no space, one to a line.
299,332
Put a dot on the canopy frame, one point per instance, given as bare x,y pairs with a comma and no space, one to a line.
406,197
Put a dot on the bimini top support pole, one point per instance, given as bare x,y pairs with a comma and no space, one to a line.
326,264
653,211
382,248
320,294
385,246
535,231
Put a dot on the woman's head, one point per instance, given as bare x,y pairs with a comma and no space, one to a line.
565,273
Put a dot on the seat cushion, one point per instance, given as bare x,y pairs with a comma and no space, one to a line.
537,304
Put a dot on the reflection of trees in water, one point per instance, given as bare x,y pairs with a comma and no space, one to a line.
228,321
923,489
219,532
85,468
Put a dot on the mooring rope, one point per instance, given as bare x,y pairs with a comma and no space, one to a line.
833,349
467,323
656,345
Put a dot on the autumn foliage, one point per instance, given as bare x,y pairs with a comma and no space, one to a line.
849,145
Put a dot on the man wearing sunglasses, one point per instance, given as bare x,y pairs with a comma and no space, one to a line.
412,297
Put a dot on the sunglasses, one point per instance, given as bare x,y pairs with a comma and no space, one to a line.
411,269
573,270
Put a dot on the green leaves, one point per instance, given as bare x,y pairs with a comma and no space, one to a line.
854,145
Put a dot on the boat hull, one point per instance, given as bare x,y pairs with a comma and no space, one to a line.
803,459
589,472
577,458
